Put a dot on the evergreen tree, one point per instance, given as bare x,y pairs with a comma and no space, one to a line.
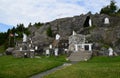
109,9
113,7
30,24
118,11
49,32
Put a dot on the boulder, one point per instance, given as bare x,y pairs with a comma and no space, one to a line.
9,51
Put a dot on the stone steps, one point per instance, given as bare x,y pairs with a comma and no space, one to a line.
80,56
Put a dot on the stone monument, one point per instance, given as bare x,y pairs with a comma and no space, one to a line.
110,51
24,37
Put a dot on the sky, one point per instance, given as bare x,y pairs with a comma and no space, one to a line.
13,12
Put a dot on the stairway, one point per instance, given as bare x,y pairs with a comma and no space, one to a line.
80,56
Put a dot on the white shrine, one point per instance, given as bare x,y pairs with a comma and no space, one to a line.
106,21
77,42
78,48
110,51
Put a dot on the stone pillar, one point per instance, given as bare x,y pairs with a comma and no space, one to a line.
56,52
90,47
76,47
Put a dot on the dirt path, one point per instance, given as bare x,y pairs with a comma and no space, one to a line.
51,71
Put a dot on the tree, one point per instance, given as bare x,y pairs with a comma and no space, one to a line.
118,11
109,9
113,7
38,25
105,10
49,32
30,24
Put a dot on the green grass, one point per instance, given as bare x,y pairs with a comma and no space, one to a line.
97,67
11,67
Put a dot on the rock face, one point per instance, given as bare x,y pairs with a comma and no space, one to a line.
9,51
100,33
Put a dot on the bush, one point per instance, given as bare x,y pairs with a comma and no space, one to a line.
49,32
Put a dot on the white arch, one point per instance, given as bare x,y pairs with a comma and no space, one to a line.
106,21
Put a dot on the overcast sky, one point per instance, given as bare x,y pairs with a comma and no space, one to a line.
13,12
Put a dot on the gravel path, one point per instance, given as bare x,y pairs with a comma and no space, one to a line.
51,71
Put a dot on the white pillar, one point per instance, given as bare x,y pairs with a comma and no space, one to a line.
36,47
56,52
90,47
83,46
76,47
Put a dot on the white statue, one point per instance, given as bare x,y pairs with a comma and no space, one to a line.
36,47
74,33
57,37
90,22
24,37
50,46
110,51
47,52
106,21
56,52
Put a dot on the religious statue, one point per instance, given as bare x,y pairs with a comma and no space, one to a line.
106,21
24,37
90,22
74,33
110,51
57,37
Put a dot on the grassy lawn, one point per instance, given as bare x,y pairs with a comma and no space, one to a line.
11,67
97,67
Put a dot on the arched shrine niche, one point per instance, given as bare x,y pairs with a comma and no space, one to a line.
106,21
88,22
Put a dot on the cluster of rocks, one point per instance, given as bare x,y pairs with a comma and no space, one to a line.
103,31
100,29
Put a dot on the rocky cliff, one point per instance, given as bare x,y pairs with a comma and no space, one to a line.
100,33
